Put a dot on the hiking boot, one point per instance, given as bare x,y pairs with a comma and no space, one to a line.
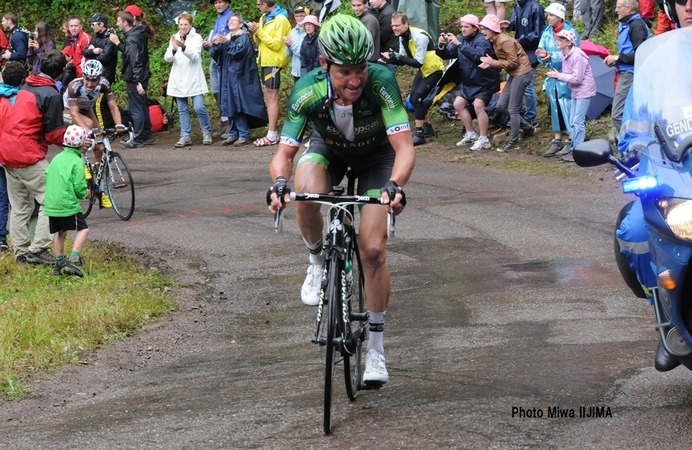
229,140
206,138
418,137
566,149
59,266
243,142
481,144
74,266
555,147
312,286
528,132
467,139
40,257
133,144
21,259
568,157
105,201
3,246
375,368
428,130
221,131
149,141
509,146
184,141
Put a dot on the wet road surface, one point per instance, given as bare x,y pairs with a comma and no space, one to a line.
506,304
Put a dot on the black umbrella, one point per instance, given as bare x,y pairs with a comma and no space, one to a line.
605,77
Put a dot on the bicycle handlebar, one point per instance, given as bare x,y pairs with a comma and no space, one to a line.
331,198
336,200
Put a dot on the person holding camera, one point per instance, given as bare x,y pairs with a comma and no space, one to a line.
39,44
102,49
19,40
477,85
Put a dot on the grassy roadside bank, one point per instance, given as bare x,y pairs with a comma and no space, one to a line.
47,321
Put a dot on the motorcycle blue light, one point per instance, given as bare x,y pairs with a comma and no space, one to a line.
639,185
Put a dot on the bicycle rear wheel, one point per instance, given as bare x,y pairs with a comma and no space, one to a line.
332,331
120,187
355,331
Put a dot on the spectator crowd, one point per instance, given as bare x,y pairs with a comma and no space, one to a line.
46,84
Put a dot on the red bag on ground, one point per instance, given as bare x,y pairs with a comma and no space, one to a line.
156,117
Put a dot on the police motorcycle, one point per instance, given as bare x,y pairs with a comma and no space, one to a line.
660,131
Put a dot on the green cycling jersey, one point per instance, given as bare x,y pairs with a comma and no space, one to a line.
377,114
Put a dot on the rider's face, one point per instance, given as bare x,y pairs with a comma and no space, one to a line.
348,81
684,13
90,84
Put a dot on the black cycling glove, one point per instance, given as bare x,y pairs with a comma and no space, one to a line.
391,188
280,188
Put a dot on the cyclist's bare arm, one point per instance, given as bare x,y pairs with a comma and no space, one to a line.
86,122
281,166
404,163
115,112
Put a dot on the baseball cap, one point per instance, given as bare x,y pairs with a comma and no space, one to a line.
301,10
134,10
99,17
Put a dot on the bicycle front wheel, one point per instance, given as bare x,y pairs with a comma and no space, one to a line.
333,330
120,187
88,203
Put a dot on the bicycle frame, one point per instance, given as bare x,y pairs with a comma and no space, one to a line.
114,170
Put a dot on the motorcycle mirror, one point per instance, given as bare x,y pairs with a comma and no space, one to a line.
592,153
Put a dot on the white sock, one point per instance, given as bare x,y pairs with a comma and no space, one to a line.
483,138
376,336
470,133
272,135
315,249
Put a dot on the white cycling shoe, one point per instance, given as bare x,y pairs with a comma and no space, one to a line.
375,368
310,292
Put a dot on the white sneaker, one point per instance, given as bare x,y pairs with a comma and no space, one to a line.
375,369
310,293
467,139
481,144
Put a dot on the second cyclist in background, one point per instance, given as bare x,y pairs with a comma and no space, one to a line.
82,94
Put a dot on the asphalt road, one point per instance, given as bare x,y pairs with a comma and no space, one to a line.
507,311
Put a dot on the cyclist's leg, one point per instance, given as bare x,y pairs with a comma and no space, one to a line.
374,172
318,168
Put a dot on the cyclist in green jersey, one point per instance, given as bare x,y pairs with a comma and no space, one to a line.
360,122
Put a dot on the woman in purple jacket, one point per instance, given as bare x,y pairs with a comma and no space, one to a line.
40,43
576,72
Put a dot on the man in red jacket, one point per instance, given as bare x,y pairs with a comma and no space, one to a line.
27,127
76,44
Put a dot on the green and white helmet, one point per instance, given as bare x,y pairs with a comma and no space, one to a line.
344,40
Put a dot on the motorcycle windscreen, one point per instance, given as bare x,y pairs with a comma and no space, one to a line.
661,95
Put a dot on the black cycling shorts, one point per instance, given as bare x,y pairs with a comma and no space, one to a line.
372,170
